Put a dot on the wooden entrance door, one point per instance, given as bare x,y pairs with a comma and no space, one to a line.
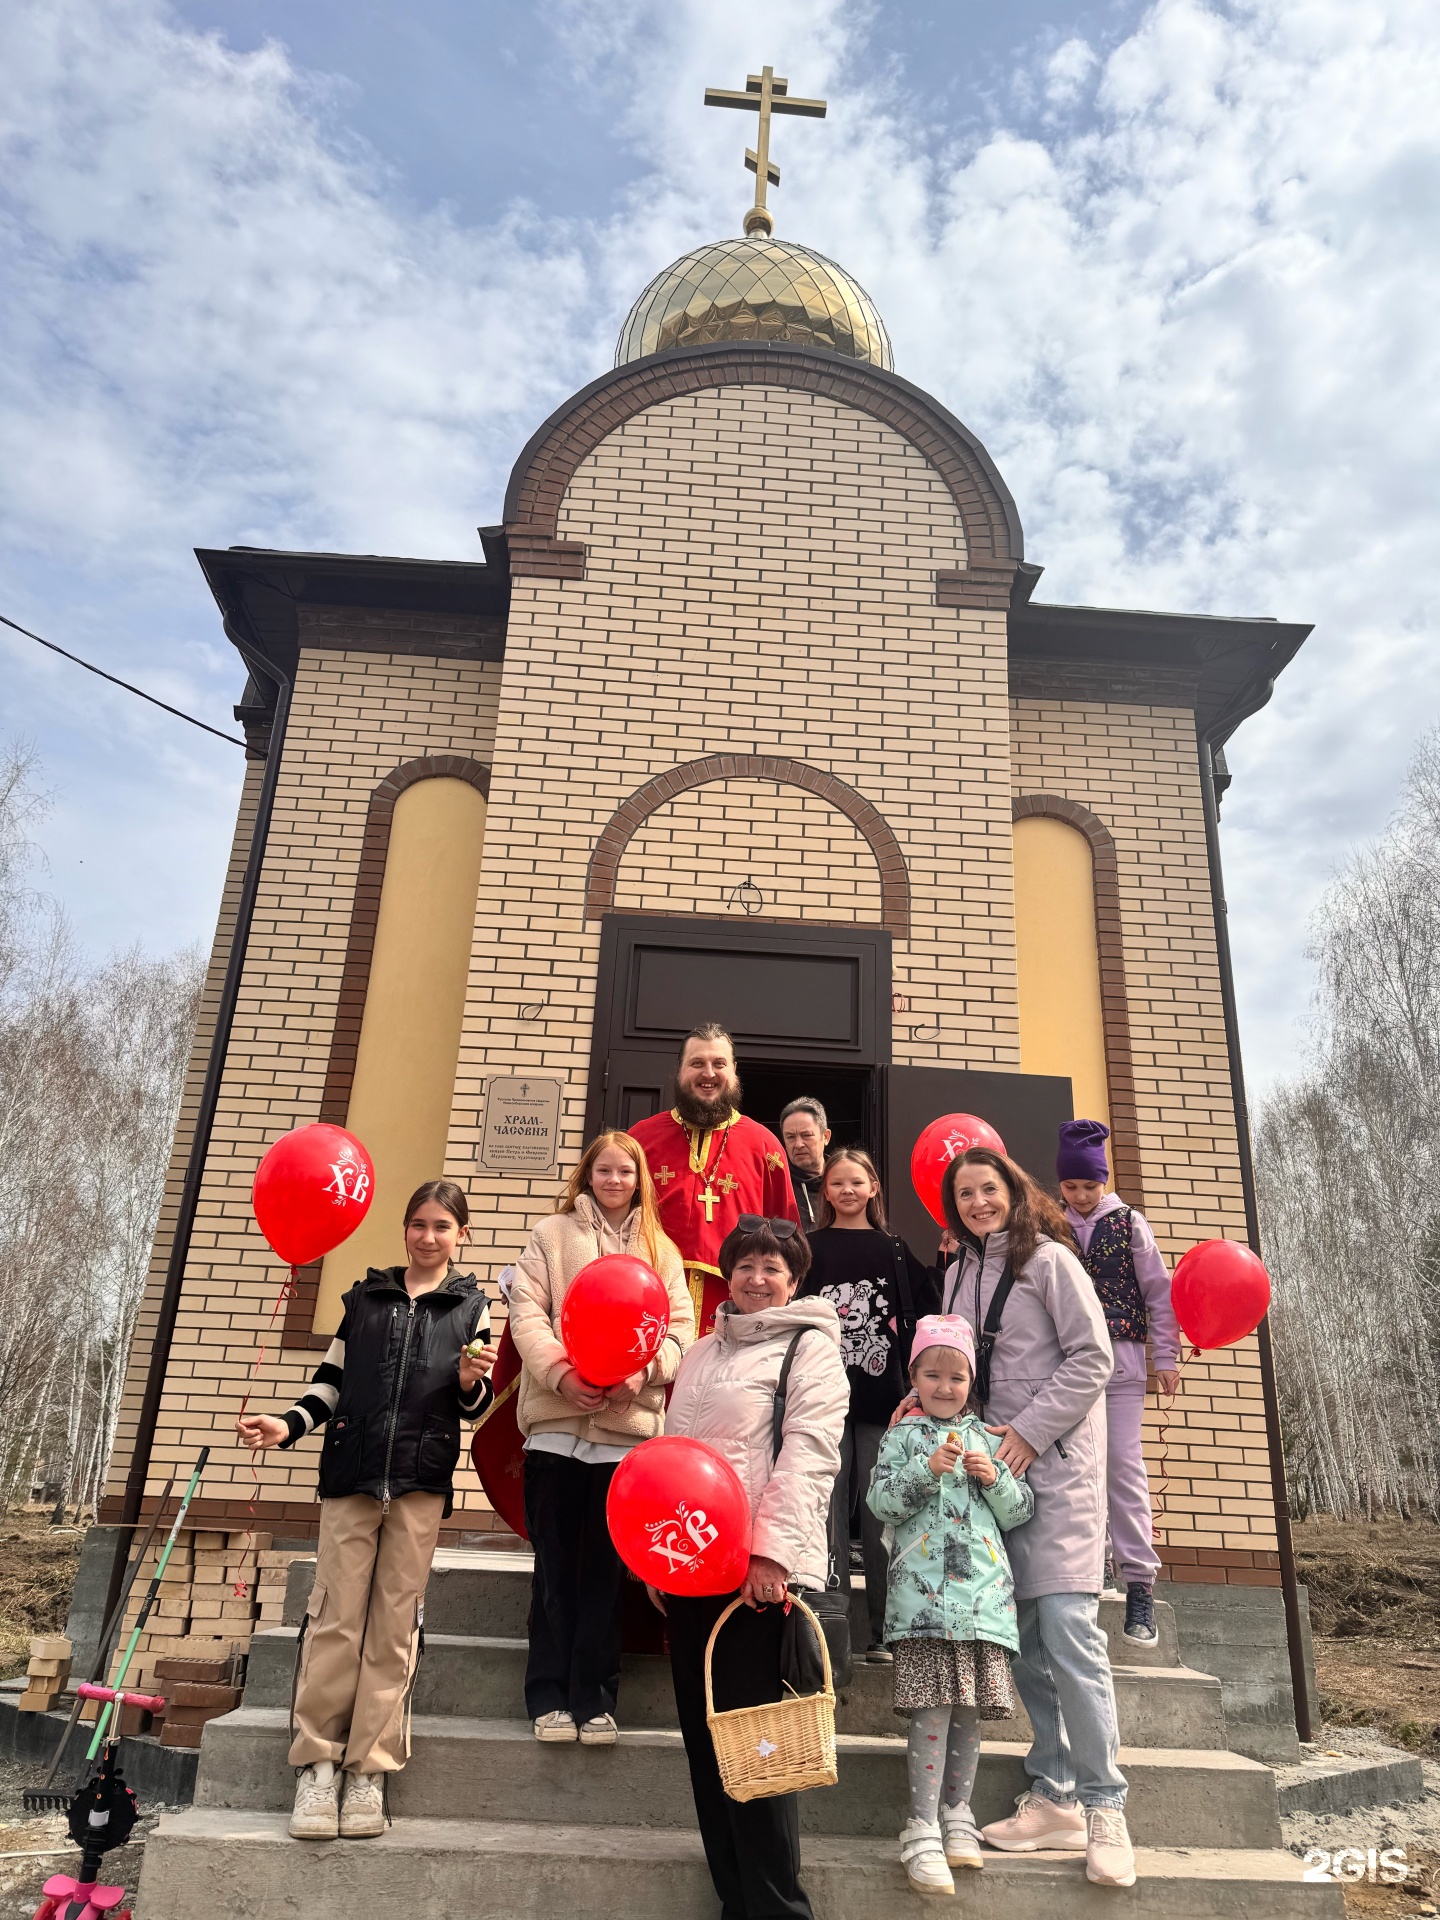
813,995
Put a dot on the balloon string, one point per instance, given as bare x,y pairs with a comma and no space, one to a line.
288,1289
1162,1464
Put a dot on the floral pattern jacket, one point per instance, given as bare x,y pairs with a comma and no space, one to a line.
949,1572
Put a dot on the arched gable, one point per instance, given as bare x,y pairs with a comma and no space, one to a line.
994,543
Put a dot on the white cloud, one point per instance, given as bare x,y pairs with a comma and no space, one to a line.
1067,70
1189,308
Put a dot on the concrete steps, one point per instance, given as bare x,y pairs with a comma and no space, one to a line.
475,1592
243,1865
619,1836
498,1770
484,1677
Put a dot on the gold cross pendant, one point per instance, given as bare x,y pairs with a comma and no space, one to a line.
709,1201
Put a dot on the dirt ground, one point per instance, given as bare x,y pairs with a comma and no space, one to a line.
37,1571
1375,1609
43,1848
1374,1605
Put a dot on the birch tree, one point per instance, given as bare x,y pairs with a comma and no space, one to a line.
92,1060
1348,1169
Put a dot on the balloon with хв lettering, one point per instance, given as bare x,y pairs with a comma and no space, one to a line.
615,1314
679,1517
311,1191
940,1143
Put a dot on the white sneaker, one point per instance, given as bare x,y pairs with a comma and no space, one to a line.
362,1810
922,1854
600,1732
556,1726
961,1836
316,1814
1109,1856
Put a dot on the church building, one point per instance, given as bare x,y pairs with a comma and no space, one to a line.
749,707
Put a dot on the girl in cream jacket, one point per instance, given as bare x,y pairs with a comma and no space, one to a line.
576,1433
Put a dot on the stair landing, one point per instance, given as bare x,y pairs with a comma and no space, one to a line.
244,1865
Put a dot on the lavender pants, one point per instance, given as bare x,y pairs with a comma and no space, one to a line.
1132,1546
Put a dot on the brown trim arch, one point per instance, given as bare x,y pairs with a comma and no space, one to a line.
994,542
604,868
355,984
1114,997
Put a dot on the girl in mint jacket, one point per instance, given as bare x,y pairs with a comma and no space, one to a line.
950,1608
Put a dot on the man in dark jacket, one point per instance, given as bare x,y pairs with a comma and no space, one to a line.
806,1134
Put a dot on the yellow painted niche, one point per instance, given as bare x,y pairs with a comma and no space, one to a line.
1062,1020
410,1033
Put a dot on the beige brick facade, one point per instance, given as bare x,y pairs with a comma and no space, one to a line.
1137,770
355,716
759,578
750,846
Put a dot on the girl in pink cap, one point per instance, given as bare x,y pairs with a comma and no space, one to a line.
950,1606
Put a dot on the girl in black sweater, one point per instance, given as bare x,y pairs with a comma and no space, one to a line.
879,1289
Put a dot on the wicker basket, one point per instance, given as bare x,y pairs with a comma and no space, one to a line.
784,1746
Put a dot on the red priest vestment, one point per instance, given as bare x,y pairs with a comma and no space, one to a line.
704,1182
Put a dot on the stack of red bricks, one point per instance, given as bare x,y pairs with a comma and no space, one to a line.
194,1691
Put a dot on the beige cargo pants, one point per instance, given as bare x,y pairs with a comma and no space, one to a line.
362,1632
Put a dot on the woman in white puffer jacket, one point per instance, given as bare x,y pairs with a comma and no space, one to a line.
725,1395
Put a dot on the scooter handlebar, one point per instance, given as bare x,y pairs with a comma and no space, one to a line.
148,1702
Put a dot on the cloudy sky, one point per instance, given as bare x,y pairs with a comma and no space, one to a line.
309,274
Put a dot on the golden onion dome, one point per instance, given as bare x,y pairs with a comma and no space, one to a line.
757,288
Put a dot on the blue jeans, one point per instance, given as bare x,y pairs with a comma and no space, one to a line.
1063,1677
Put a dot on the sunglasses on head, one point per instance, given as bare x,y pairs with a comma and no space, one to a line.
755,1222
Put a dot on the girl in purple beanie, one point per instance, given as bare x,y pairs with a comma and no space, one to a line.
1120,1255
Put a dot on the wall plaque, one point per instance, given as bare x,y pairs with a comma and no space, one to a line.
520,1128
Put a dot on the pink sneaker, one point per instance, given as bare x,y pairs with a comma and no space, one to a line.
1109,1856
1037,1825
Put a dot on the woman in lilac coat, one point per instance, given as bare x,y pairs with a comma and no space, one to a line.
1041,1389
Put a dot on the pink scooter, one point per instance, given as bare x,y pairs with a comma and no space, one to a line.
101,1816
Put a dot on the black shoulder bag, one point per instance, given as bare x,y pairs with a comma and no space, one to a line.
985,1345
800,1667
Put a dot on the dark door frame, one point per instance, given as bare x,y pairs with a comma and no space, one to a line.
616,1025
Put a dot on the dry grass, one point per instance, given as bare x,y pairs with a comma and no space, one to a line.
1375,1608
37,1571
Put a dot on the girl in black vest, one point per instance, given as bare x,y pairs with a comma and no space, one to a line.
879,1289
394,1385
1119,1253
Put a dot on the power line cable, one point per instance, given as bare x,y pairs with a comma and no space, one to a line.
121,683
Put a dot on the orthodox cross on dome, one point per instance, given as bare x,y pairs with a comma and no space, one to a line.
764,94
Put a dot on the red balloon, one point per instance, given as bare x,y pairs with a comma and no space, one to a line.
938,1145
1220,1292
615,1315
312,1190
679,1517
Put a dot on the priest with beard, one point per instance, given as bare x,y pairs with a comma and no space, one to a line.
710,1164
